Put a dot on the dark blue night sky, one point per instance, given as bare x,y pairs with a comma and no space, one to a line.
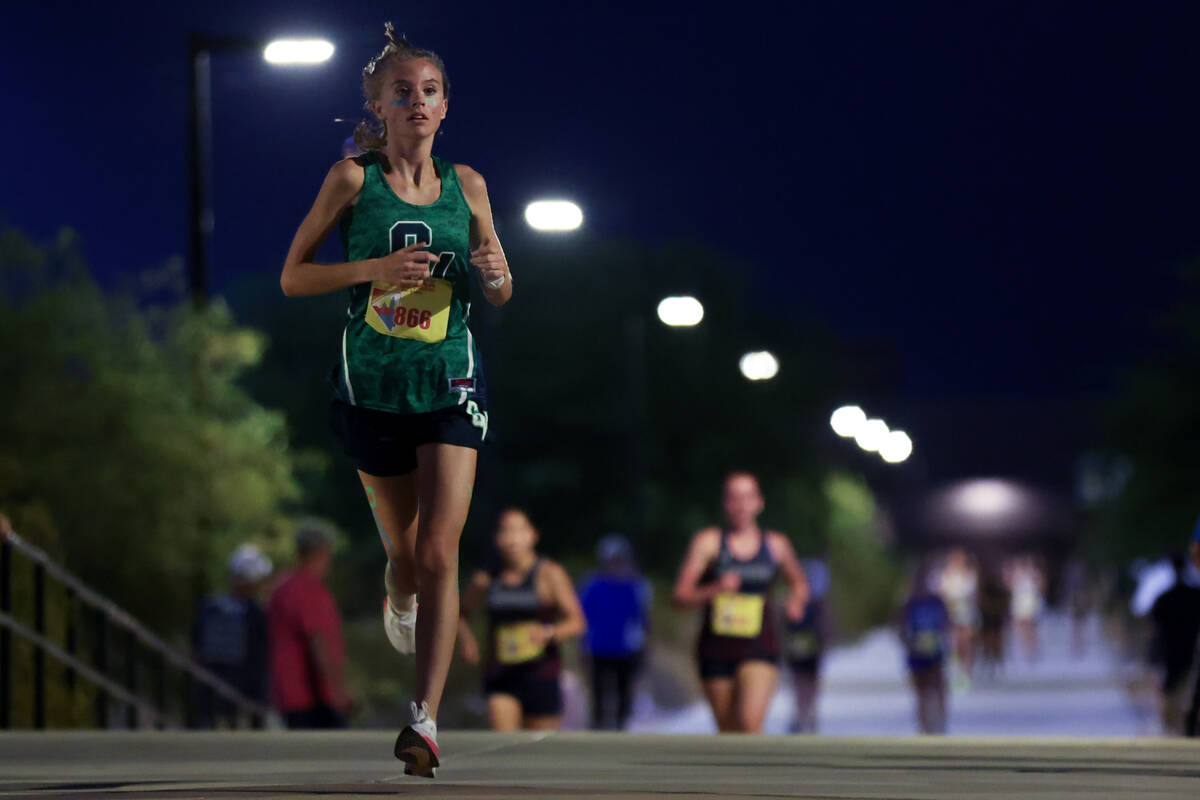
1003,190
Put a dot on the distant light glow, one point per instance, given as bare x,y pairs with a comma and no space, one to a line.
759,366
871,435
553,215
988,497
680,311
896,447
847,420
298,51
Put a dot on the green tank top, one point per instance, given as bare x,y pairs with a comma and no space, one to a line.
409,351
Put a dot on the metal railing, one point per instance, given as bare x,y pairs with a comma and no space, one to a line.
138,653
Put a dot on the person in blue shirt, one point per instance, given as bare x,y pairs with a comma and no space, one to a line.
925,628
616,602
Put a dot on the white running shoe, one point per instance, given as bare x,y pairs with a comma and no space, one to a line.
417,746
400,626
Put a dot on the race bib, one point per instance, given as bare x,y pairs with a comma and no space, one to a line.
515,643
736,614
421,312
927,643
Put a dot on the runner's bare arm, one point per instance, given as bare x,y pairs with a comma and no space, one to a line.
467,644
302,277
793,573
703,549
572,623
487,256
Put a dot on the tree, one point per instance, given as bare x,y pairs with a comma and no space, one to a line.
1153,426
130,452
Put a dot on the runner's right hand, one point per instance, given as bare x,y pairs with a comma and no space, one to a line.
407,267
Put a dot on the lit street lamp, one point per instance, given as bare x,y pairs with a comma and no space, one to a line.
847,420
680,312
759,366
896,447
282,52
871,435
553,215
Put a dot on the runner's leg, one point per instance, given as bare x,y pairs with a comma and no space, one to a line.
756,681
504,712
720,694
445,478
393,502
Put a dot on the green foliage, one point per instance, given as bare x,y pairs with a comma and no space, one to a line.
865,577
1153,425
131,453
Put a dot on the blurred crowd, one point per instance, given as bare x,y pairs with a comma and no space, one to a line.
963,618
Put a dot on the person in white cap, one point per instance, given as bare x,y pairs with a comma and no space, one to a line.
229,635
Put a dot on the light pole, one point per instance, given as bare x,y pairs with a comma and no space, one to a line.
286,52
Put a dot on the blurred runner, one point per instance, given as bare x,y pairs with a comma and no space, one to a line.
531,607
410,405
805,645
729,572
229,636
1027,587
993,618
1176,615
308,653
958,585
616,602
925,628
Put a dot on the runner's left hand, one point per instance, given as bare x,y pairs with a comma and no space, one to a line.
489,259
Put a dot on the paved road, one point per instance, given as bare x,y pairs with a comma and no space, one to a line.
149,765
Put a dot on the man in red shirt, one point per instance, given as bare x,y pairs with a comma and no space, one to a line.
308,654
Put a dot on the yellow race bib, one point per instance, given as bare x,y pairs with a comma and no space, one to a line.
515,643
421,312
736,614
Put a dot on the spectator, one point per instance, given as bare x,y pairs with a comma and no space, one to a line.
1176,615
616,602
229,636
308,654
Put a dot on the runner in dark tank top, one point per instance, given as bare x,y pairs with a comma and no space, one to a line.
730,572
531,608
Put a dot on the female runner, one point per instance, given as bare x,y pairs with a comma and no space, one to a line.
531,607
409,397
730,572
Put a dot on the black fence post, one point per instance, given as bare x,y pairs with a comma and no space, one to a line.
160,689
101,661
5,635
39,655
131,711
72,639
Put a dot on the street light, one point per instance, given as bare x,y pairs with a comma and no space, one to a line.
553,215
680,312
291,52
871,435
200,49
759,366
896,447
847,420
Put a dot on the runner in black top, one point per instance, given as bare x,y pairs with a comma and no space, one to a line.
730,572
531,607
